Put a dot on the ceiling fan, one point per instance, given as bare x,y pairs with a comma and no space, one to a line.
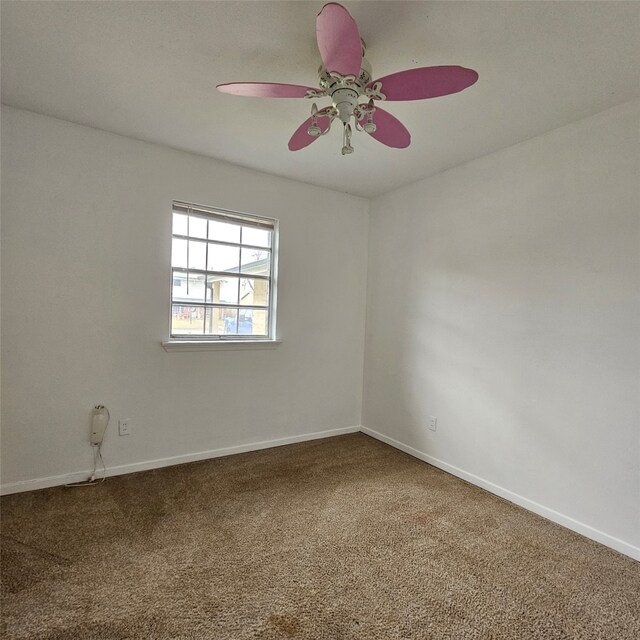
345,76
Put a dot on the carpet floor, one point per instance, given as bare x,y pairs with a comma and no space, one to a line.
336,539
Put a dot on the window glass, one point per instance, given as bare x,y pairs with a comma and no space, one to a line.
180,224
223,258
255,261
221,321
224,231
257,237
179,253
197,255
254,291
197,227
222,289
187,320
188,286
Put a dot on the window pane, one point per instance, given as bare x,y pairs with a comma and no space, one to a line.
222,289
187,320
197,227
188,287
254,291
252,322
224,231
180,224
259,237
197,255
260,322
179,253
255,261
223,258
221,321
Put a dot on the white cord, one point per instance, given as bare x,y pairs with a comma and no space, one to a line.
104,468
97,454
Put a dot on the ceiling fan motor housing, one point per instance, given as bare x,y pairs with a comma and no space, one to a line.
345,101
345,90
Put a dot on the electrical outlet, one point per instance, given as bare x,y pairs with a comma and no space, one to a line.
433,423
124,426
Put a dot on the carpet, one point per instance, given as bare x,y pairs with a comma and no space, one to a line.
336,539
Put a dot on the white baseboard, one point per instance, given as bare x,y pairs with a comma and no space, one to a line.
118,470
559,518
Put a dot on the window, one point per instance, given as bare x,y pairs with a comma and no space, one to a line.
222,274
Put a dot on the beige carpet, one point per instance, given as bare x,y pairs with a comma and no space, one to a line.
338,539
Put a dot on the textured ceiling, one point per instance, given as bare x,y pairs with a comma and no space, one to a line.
149,69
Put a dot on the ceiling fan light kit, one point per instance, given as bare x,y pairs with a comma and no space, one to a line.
345,77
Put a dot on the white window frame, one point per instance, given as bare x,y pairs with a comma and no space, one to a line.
196,342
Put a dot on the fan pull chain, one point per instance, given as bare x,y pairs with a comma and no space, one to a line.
346,140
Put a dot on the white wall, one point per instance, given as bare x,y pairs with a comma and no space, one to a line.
503,298
85,275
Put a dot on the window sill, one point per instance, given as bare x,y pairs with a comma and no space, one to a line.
219,345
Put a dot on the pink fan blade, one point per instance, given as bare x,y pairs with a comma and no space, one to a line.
265,89
339,40
426,82
390,130
301,139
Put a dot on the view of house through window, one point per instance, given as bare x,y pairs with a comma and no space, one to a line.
222,274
